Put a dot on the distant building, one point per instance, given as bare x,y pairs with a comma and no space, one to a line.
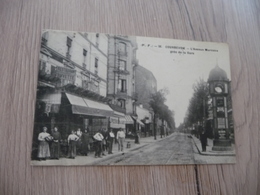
121,77
145,85
144,120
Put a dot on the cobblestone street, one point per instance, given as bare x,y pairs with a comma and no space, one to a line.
175,149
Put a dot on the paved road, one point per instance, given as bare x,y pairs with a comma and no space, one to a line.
175,149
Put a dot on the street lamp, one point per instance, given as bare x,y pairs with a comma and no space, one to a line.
154,127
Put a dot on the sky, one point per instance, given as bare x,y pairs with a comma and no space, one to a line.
178,64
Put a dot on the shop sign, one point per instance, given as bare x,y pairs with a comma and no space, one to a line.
122,120
221,123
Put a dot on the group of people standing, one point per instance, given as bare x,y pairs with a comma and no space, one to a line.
78,143
103,141
44,150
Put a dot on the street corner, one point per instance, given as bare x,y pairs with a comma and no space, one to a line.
209,151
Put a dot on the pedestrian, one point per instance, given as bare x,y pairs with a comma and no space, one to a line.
121,138
72,141
104,141
203,140
43,148
79,142
98,137
85,139
110,141
55,145
162,131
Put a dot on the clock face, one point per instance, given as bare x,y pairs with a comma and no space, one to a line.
218,89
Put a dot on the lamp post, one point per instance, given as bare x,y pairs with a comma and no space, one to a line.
154,126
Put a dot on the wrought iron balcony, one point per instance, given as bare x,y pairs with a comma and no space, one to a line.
121,71
121,93
117,108
69,64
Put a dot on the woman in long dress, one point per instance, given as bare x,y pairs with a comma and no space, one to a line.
43,149
72,141
55,145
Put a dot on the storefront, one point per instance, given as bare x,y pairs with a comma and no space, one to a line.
68,112
117,121
130,128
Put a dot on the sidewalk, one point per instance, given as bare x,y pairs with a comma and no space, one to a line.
209,151
91,160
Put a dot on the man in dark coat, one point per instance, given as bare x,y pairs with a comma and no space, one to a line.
110,141
85,139
203,140
55,146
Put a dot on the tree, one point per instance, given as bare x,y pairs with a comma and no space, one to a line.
198,107
157,103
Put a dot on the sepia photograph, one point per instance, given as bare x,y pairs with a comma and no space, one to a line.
106,99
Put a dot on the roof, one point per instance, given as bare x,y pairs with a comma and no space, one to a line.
217,74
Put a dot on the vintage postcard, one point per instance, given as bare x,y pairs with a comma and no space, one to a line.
107,99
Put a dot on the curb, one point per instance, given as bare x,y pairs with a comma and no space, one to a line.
206,154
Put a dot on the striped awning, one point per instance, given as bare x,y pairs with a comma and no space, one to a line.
118,120
89,107
52,102
129,119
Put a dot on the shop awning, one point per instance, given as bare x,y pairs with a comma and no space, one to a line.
52,101
129,120
52,98
88,107
118,120
139,122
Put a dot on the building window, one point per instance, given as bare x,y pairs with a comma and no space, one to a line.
122,85
96,66
69,41
122,65
121,103
122,48
84,58
97,39
96,86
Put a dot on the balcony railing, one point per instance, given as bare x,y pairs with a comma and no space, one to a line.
121,71
121,93
69,64
117,108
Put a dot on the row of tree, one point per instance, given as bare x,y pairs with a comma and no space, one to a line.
198,105
160,109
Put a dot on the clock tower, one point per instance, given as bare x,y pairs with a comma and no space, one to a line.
219,90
